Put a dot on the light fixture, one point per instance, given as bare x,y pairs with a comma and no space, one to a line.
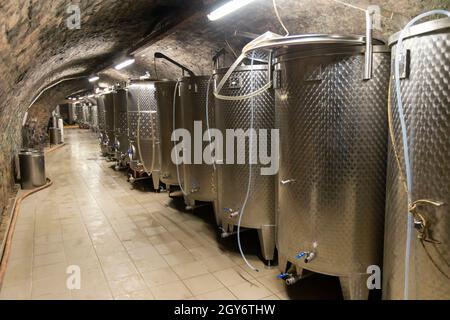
94,78
228,8
124,64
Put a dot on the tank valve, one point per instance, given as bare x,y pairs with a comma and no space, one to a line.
285,182
234,214
309,256
131,179
289,278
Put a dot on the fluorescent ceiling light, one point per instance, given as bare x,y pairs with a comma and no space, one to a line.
93,79
124,64
228,8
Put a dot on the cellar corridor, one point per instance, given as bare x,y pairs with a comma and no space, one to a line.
128,244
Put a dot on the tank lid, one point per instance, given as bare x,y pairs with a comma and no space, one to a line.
421,29
312,39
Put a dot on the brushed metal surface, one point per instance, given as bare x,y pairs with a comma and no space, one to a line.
232,179
164,98
101,113
143,125
199,179
109,121
121,121
93,117
426,98
333,132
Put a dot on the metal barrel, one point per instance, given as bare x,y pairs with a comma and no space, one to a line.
143,129
164,98
333,150
426,97
55,136
232,179
109,123
199,177
32,169
120,123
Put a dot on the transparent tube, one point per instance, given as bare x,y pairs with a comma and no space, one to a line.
250,175
408,171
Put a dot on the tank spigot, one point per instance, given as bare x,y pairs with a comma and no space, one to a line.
289,278
234,214
308,255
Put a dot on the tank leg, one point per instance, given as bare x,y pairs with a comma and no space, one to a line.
267,240
155,178
282,263
217,212
354,287
190,204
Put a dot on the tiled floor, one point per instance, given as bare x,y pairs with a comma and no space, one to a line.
128,243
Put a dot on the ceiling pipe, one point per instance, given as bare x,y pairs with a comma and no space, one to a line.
159,55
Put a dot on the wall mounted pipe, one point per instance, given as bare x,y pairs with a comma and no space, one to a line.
159,55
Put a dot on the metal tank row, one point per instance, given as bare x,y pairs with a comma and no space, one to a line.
338,202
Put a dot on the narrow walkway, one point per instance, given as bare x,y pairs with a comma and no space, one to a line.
129,244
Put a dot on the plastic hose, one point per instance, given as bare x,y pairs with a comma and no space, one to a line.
279,17
227,75
408,171
174,128
250,151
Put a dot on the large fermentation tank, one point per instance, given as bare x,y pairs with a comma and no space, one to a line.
79,112
102,137
232,179
120,126
425,91
143,129
333,149
108,102
64,111
164,97
199,181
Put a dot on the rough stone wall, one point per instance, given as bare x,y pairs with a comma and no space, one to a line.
37,49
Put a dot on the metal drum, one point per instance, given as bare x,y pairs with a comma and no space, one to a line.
102,138
72,113
93,117
426,99
232,181
121,126
79,114
143,129
164,97
108,102
32,169
199,178
333,150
